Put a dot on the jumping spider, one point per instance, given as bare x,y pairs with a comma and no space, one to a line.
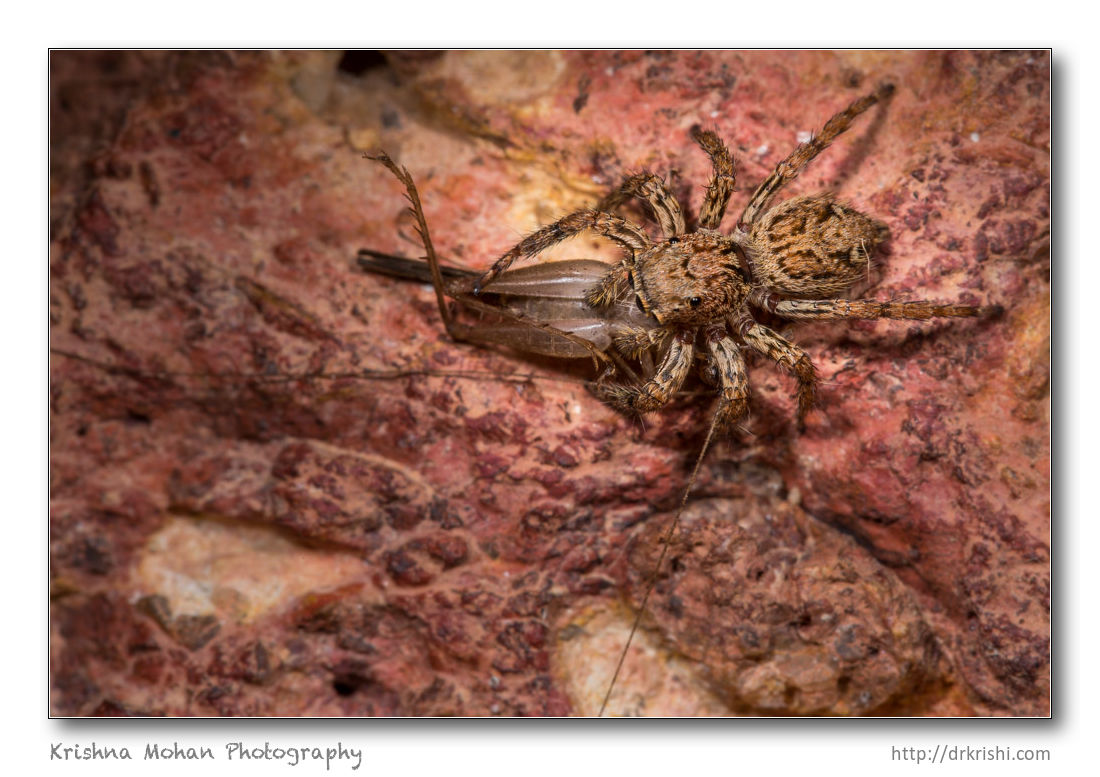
696,293
702,288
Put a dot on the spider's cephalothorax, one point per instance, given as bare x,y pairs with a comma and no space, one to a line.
690,280
702,288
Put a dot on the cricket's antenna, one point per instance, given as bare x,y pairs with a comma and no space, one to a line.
661,559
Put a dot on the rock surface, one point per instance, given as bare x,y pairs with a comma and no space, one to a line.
277,488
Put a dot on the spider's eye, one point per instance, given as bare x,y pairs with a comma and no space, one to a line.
695,302
673,241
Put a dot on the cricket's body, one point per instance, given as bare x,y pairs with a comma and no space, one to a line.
542,308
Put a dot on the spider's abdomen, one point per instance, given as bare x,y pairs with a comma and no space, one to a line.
813,247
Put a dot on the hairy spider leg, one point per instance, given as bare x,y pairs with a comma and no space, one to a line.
721,184
866,308
621,231
658,390
728,364
786,354
654,191
788,169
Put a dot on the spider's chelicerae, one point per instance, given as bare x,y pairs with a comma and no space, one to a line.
703,288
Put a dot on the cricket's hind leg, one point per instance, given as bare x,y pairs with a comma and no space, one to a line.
458,331
435,270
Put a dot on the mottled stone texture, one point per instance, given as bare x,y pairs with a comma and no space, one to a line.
278,488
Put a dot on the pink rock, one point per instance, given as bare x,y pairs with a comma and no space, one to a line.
365,518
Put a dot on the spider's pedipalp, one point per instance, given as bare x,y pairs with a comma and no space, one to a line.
621,231
633,342
785,353
788,169
653,189
721,184
611,289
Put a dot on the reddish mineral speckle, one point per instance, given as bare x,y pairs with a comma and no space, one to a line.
278,488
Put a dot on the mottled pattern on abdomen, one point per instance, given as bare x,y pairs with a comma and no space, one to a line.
813,247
